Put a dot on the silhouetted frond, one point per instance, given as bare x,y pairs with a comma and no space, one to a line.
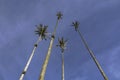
62,44
41,31
59,15
75,25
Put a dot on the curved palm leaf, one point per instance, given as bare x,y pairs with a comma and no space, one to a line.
62,44
42,31
75,25
59,15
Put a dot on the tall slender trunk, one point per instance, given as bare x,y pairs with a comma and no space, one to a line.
44,67
63,77
29,60
93,57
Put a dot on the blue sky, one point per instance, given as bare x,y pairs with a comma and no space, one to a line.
100,21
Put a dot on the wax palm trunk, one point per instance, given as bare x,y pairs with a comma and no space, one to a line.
93,56
29,60
63,77
44,66
42,32
62,45
43,71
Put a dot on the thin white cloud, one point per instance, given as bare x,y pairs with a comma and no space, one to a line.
115,71
113,67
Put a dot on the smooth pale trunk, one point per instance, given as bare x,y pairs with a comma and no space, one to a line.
46,61
63,78
29,60
44,67
93,57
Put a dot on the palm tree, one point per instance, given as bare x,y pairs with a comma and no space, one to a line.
62,45
42,32
76,26
44,66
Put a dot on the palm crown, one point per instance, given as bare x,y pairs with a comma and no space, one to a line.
41,31
62,44
75,25
59,15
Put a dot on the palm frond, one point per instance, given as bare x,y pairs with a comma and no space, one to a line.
59,15
75,25
62,44
41,31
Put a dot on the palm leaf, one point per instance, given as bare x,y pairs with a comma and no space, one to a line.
41,31
59,15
